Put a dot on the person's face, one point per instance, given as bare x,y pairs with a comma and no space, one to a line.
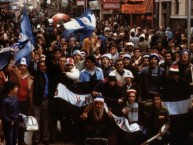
61,62
128,80
191,47
98,105
23,68
119,66
36,57
171,44
64,47
112,83
76,57
113,50
105,61
157,101
69,67
168,57
137,53
185,57
126,61
40,50
153,61
131,98
177,56
88,64
56,55
145,61
14,91
42,67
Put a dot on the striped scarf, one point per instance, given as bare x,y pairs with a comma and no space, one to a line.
133,113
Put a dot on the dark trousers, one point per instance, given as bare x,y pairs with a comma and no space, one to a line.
11,134
24,109
41,113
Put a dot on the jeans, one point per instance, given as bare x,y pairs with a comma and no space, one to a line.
11,134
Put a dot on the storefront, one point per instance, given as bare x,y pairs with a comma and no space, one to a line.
138,12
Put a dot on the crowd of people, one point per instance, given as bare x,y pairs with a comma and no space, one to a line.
145,75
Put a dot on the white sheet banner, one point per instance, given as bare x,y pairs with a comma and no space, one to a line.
81,100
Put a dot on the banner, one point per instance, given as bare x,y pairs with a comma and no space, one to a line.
84,99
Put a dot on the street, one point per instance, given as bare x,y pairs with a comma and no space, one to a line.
28,139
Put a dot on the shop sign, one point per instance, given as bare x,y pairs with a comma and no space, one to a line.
134,9
111,6
94,5
107,1
80,2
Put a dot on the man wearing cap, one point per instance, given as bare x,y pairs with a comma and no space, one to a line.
79,64
149,78
24,79
106,64
113,50
96,121
132,110
176,95
71,72
185,67
128,48
144,63
72,46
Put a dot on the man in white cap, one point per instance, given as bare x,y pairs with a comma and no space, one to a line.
106,64
97,123
79,64
71,72
150,77
24,79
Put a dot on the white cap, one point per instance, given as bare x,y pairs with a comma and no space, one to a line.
129,43
174,68
23,61
99,99
128,75
69,61
127,56
76,52
106,55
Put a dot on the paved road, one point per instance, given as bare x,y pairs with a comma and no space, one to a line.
28,140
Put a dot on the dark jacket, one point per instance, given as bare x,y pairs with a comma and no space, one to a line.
38,88
9,110
155,118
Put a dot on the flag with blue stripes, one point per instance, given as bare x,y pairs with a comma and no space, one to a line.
25,35
5,53
83,26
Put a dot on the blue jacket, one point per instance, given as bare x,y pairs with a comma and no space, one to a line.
85,75
9,110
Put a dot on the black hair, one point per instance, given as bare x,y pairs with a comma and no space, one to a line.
91,58
8,86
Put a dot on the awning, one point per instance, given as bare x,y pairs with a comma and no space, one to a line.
4,5
139,8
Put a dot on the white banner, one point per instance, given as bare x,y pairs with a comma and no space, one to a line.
81,100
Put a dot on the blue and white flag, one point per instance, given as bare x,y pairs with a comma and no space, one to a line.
84,25
6,52
25,35
63,93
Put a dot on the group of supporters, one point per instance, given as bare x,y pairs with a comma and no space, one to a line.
142,74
